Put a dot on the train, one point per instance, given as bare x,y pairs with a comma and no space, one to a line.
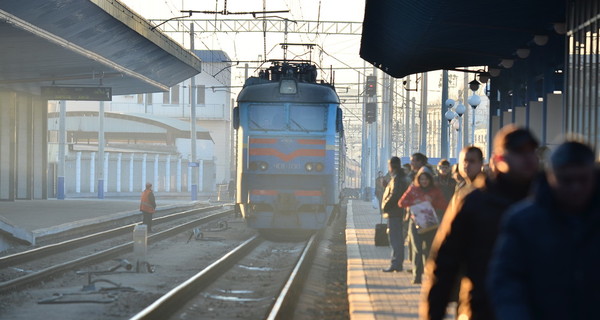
290,149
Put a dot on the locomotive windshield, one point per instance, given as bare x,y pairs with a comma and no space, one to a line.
267,117
308,117
303,118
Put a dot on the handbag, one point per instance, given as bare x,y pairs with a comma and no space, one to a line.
424,216
381,237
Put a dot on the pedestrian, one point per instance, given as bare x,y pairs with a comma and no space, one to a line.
470,164
417,161
392,193
231,190
422,190
407,168
444,179
547,256
464,241
148,206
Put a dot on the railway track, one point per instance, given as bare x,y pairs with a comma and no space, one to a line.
276,285
214,213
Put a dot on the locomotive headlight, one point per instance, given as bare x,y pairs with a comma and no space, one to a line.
264,166
319,167
288,86
309,166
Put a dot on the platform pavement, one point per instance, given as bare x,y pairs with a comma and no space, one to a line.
374,294
35,218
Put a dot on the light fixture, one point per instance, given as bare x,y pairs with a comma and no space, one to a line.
450,115
560,28
474,101
494,72
460,109
288,86
450,103
484,77
507,63
474,85
540,39
523,53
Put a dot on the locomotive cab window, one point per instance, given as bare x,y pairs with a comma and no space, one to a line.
267,117
308,117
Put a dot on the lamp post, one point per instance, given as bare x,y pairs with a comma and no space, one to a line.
449,115
473,101
460,110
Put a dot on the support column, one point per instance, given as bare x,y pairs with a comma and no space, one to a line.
92,171
168,174
131,172
194,189
7,145
105,171
119,159
144,158
179,174
155,183
62,140
78,173
200,175
407,134
101,150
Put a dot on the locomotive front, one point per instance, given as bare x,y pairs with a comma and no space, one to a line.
288,149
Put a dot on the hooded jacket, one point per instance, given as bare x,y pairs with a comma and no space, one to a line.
463,245
546,263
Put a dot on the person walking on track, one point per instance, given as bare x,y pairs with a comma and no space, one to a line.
148,206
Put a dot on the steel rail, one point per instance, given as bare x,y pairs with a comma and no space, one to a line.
48,250
104,254
172,301
285,303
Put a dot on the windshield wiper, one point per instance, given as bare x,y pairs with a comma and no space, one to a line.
258,126
299,126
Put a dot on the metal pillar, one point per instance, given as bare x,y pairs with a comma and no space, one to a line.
374,146
194,191
407,118
467,114
386,122
100,159
444,128
364,150
62,141
423,146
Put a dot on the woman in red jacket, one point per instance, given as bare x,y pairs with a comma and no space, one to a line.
423,189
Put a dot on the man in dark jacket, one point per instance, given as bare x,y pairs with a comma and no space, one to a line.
389,205
444,179
527,280
466,237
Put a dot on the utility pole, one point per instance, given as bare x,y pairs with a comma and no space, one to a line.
194,162
374,147
407,118
444,128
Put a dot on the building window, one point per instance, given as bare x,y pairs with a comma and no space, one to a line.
149,98
166,98
140,99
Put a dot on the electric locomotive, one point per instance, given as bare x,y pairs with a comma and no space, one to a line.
290,149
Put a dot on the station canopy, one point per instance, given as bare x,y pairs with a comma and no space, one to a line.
87,43
407,37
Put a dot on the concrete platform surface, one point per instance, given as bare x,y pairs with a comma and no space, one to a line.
43,217
374,294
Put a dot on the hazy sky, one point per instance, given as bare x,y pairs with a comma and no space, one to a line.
248,46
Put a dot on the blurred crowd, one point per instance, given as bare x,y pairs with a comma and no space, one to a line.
517,237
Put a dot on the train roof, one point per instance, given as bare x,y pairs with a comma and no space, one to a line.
307,93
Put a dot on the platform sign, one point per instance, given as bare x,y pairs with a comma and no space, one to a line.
77,93
193,164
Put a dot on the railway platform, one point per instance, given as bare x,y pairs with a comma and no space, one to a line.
30,219
374,294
